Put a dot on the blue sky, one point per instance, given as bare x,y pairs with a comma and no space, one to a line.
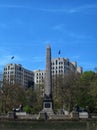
27,26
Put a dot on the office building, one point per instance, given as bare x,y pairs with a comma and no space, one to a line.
59,66
17,74
63,65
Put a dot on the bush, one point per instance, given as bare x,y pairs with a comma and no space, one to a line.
27,109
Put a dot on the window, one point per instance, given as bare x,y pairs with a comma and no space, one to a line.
8,67
56,62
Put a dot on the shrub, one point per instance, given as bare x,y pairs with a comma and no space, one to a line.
27,109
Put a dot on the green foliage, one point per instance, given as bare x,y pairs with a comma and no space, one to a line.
12,96
88,77
64,89
27,109
75,89
68,90
87,90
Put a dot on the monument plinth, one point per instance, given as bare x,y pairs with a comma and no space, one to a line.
47,102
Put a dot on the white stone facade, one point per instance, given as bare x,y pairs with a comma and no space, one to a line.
39,76
62,66
15,73
59,66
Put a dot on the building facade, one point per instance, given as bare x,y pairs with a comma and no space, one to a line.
59,66
39,80
63,66
39,76
16,74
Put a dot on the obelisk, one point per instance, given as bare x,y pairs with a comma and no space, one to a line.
48,79
47,102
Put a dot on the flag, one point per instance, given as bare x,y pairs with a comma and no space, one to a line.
12,57
59,52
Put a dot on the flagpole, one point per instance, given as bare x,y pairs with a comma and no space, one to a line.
59,53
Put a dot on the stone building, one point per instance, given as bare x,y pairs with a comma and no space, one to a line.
39,76
59,66
63,66
17,74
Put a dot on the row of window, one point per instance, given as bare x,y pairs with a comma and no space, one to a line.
40,74
40,77
39,81
13,68
60,63
60,67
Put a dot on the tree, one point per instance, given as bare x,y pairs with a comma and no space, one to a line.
12,96
64,91
70,90
87,90
87,77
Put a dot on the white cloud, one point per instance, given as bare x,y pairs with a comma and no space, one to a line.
65,10
82,8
